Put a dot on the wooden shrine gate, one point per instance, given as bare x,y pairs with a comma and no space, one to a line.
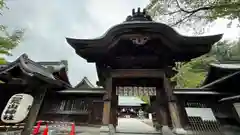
165,100
141,48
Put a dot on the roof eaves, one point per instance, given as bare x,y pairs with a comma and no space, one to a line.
220,80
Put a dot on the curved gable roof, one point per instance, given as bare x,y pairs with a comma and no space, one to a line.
85,83
31,68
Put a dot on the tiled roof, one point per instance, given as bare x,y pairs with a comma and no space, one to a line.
85,83
31,68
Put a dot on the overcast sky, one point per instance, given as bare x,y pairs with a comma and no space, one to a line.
48,22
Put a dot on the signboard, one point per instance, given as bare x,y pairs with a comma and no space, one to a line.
135,91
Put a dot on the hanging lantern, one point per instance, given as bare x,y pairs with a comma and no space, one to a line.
17,108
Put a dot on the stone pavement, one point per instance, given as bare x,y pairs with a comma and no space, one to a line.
147,121
127,126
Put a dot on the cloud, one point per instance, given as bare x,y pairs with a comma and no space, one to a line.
48,22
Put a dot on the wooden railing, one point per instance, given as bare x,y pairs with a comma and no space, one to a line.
70,106
80,110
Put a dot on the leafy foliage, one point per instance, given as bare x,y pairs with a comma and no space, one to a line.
2,61
198,12
191,74
196,15
227,51
146,99
8,40
225,9
2,4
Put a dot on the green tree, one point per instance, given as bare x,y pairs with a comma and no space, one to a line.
197,12
227,51
2,61
8,40
191,74
2,4
146,99
222,50
195,15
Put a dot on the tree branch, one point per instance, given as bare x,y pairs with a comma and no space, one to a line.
181,20
174,12
206,7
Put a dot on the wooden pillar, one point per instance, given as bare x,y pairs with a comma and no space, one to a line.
107,102
114,105
182,111
172,105
161,108
38,95
106,112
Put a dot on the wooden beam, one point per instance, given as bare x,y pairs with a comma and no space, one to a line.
126,73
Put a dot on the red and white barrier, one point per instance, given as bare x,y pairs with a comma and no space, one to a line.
69,126
48,124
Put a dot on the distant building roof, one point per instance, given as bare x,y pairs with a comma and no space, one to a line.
235,66
129,101
85,83
221,76
54,65
83,91
30,68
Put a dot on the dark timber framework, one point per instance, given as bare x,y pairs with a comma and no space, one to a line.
27,76
141,52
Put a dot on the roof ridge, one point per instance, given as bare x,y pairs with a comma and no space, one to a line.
85,79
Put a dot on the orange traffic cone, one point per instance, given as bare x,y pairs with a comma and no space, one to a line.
72,129
36,129
45,132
